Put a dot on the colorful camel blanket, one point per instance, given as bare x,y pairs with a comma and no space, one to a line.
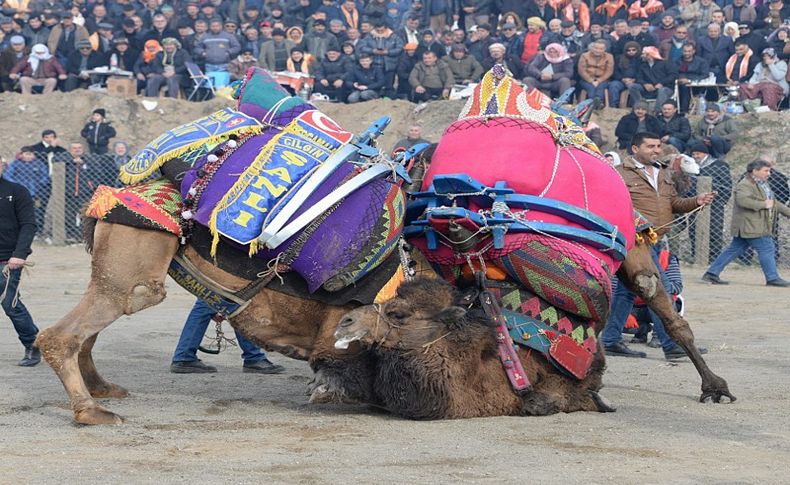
152,205
508,134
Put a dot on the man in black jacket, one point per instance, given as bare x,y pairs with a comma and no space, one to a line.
676,128
330,74
98,132
719,171
691,67
17,229
655,78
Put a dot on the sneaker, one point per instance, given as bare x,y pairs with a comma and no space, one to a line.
264,366
713,279
192,367
32,357
778,282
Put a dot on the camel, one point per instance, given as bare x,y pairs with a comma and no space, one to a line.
435,360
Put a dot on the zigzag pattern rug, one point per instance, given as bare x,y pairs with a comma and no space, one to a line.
151,205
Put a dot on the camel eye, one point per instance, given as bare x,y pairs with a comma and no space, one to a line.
396,314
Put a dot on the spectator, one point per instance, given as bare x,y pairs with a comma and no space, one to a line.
715,49
731,30
551,72
597,33
635,34
699,14
251,41
384,48
570,38
40,68
406,63
98,132
497,55
275,53
655,78
779,41
31,171
430,79
753,215
755,40
719,171
35,32
716,130
298,62
64,37
671,49
513,42
49,147
691,68
350,15
349,52
9,58
319,40
740,65
579,13
610,11
185,360
17,230
146,68
772,14
83,175
159,30
769,81
79,63
480,41
511,18
596,67
329,74
216,48
476,12
740,11
428,43
410,33
655,197
103,38
413,137
122,55
239,66
464,67
675,128
543,9
625,71
637,121
364,81
120,157
531,44
131,32
666,29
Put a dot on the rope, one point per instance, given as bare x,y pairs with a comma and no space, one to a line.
553,173
272,268
7,274
680,217
584,179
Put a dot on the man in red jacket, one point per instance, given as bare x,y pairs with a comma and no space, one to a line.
40,68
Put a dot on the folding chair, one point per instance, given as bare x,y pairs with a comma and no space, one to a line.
199,81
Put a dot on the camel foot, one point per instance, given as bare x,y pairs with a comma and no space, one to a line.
110,391
719,396
96,415
603,404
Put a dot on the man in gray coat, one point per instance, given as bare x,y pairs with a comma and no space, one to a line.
216,47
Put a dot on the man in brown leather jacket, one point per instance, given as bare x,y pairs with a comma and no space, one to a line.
654,196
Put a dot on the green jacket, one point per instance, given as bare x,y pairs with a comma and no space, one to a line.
750,218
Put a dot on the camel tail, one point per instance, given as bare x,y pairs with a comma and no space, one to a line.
88,227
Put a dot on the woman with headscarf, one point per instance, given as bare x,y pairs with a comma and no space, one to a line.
296,35
769,81
731,30
145,68
779,41
625,70
535,28
40,68
551,72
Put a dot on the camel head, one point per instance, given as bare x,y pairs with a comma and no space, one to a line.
421,312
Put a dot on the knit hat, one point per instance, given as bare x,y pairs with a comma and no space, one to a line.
277,32
699,147
567,23
17,40
83,43
713,107
100,111
497,46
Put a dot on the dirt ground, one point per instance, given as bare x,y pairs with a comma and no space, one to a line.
231,427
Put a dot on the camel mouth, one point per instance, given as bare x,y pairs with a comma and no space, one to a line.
343,339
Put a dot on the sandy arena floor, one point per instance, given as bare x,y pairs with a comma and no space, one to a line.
231,427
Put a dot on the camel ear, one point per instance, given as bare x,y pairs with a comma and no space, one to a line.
427,295
453,317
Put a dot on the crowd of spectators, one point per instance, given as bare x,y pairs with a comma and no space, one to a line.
614,50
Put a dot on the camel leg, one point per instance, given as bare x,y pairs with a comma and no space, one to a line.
128,270
641,276
97,386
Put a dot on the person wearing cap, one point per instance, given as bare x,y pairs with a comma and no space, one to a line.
740,11
719,172
769,81
231,27
169,69
755,40
98,132
636,121
428,42
716,130
35,32
239,66
385,48
216,48
15,53
510,38
464,67
122,56
716,49
63,39
497,54
532,38
655,78
159,30
550,72
39,68
79,63
319,40
479,42
275,52
104,37
329,74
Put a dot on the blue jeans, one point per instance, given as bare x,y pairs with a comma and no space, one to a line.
677,143
194,329
623,303
593,92
615,88
20,317
765,251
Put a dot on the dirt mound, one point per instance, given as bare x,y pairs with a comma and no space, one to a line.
23,118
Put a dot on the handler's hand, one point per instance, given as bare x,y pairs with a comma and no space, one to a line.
706,198
15,263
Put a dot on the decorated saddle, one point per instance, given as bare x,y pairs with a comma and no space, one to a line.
519,192
280,180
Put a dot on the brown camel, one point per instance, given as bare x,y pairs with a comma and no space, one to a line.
435,360
128,270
